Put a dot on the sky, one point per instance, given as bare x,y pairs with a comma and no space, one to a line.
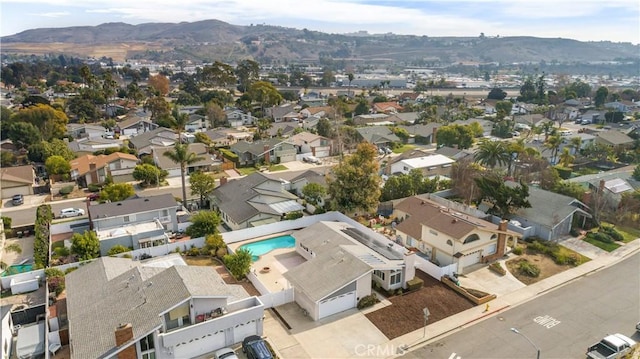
584,20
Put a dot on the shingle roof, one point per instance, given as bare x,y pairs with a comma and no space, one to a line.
326,273
131,206
615,137
424,212
547,208
234,198
20,174
83,164
98,303
377,134
144,139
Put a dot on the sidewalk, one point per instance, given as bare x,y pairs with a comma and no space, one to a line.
415,339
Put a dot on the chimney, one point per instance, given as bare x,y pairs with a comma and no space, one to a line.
502,239
93,172
434,133
223,181
267,155
124,334
601,186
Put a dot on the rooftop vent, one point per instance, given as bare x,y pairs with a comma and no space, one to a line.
146,199
119,204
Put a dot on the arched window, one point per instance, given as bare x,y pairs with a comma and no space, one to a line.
449,242
471,238
495,236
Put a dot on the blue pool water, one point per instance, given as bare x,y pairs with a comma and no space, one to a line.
265,246
17,268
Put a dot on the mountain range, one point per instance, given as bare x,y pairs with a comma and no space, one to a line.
211,40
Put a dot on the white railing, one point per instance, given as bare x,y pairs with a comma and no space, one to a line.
434,270
275,299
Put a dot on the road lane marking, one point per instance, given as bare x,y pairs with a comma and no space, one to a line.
546,321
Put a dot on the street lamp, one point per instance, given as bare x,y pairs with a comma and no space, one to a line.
529,340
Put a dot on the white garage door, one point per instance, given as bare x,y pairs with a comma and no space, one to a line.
11,191
244,330
337,304
471,258
322,153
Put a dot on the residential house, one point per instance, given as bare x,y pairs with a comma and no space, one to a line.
585,140
551,215
609,185
85,130
294,181
380,136
270,151
196,123
17,180
225,137
313,99
121,308
136,222
422,133
90,145
207,162
113,110
430,165
530,120
282,129
487,126
281,112
453,153
447,237
404,118
90,169
593,116
376,119
252,201
386,107
135,125
618,106
307,143
237,118
160,137
410,98
342,261
319,112
615,139
190,110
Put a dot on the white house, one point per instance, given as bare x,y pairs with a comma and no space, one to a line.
429,165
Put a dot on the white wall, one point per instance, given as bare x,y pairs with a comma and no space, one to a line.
432,269
363,286
29,285
5,346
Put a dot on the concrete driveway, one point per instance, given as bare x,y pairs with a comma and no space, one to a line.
488,281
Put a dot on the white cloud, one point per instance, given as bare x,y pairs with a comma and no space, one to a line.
52,14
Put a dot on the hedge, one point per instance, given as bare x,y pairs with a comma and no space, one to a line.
229,155
66,190
44,215
563,172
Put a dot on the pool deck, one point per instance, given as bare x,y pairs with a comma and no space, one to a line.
278,261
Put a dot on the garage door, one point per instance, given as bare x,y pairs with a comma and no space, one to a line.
11,191
243,330
337,304
322,153
471,258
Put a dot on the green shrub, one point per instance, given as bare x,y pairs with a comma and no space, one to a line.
193,252
415,284
6,221
66,190
517,251
611,232
575,259
601,237
229,155
127,255
537,247
529,269
61,251
368,301
69,270
496,267
56,285
560,258
53,272
563,172
574,232
93,187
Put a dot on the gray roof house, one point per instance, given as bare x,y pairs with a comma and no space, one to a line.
342,261
136,222
614,138
117,307
611,184
207,163
159,137
422,133
134,125
551,215
377,135
252,201
272,150
279,113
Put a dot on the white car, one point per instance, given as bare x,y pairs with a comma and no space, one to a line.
225,353
71,212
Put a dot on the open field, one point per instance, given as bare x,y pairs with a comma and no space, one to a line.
118,52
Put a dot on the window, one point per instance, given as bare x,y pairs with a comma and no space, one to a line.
127,219
178,317
379,274
396,277
147,347
471,238
493,237
165,212
449,242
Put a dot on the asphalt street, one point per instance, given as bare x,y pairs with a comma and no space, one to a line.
561,323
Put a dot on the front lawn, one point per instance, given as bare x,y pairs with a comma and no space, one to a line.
602,245
245,171
275,168
403,149
629,233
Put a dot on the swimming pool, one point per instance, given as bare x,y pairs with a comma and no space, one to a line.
18,268
265,246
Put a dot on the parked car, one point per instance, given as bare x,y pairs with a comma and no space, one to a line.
71,212
225,353
17,199
611,347
311,159
256,348
93,196
638,326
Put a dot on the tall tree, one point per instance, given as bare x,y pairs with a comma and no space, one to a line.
248,71
202,184
463,174
203,224
553,144
492,153
215,114
455,135
160,84
505,199
181,155
23,134
86,246
601,96
51,122
116,192
350,77
354,184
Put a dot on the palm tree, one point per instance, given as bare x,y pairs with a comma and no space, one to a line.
547,128
575,144
492,153
553,143
181,155
350,77
179,122
515,149
566,158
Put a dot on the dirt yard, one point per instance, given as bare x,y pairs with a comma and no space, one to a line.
222,271
546,264
405,313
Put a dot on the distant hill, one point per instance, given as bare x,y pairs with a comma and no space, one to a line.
216,40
